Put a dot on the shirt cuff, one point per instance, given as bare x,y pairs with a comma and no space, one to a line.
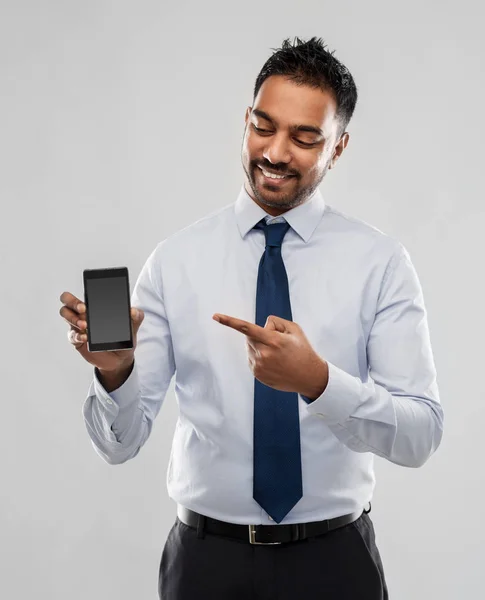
339,399
123,396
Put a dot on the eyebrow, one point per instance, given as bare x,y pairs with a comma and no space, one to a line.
310,128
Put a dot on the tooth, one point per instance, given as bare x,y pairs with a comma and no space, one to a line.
274,176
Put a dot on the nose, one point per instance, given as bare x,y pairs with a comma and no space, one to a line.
277,151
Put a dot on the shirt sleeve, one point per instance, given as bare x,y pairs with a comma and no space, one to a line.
397,413
120,422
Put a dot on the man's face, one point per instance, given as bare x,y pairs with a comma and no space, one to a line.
305,156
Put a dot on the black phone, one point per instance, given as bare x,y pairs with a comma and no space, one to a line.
108,310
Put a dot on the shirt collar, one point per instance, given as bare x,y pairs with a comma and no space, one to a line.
303,218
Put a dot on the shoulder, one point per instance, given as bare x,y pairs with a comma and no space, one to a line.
360,235
196,234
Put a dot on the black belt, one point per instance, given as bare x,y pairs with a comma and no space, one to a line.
262,534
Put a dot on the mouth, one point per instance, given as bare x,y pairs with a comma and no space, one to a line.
275,179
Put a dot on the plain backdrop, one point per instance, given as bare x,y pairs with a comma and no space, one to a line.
120,123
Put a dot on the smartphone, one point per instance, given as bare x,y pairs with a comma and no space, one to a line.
108,310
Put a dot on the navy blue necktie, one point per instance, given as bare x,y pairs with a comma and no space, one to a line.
277,485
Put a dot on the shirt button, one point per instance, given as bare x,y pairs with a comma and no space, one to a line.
109,401
271,518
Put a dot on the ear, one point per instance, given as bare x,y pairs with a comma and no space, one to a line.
339,148
248,113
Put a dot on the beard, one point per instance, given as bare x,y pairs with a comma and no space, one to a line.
280,198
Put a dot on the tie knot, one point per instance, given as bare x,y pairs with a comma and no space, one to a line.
274,233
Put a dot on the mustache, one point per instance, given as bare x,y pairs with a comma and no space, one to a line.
273,169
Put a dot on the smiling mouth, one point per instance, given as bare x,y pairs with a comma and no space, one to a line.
274,178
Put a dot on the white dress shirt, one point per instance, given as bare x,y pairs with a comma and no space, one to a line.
355,293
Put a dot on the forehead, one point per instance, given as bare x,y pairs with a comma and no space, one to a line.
291,104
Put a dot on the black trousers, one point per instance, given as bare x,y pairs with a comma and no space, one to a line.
343,564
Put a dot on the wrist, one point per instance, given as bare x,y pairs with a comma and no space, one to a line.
318,381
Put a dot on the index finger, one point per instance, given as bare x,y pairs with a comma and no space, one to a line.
72,302
250,329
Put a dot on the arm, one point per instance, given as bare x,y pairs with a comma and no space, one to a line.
119,417
397,413
112,381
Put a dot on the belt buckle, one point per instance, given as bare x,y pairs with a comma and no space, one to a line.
252,537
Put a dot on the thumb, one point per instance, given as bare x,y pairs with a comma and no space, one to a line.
275,323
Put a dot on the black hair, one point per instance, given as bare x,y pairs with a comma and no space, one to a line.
310,64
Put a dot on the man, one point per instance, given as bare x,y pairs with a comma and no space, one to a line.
301,348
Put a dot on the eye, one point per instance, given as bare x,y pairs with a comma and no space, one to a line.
305,143
259,130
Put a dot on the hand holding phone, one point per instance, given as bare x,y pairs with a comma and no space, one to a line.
74,310
103,352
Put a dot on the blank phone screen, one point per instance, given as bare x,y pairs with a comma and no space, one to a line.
108,309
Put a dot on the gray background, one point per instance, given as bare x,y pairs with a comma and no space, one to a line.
121,123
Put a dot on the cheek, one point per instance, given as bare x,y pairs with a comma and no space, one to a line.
321,161
314,167
306,164
255,149
249,149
